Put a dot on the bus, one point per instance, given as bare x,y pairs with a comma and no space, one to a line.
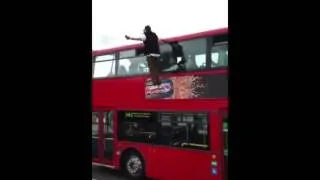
178,130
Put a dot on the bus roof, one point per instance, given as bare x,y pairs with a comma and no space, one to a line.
173,39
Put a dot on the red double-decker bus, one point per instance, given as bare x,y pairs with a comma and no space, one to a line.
177,130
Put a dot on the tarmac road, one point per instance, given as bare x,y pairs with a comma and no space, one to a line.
102,173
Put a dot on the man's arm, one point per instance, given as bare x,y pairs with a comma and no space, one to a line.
142,38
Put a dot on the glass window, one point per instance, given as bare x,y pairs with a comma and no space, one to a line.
104,66
166,58
133,66
219,55
104,69
219,51
93,62
128,53
183,130
108,124
225,133
105,57
95,118
95,130
195,53
137,126
191,52
220,39
165,48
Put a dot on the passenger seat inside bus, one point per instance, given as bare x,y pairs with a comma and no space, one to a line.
122,71
191,63
137,68
222,59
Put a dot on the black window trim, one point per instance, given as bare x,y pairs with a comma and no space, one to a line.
207,113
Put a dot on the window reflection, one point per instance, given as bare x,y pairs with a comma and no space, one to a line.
104,66
219,55
104,69
95,119
108,124
133,66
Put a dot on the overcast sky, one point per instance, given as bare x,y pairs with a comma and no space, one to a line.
112,19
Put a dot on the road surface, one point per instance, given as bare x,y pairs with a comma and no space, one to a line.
102,173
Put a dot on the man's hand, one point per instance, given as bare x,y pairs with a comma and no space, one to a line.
133,38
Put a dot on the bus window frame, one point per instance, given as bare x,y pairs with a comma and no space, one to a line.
155,121
114,64
209,45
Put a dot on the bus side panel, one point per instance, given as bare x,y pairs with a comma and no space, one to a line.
182,164
131,91
172,163
167,163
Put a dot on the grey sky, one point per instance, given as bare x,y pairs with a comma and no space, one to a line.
112,19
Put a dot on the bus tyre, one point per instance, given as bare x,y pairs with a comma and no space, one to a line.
133,166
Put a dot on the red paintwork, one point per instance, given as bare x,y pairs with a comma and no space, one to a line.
163,163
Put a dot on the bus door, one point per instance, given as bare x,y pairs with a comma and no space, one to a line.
108,136
224,147
95,136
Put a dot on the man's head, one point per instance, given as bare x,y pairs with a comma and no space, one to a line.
147,29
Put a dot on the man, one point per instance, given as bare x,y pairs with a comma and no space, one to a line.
177,51
151,50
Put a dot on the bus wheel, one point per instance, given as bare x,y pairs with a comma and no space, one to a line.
134,166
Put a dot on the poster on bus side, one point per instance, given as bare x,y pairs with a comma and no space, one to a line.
189,87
